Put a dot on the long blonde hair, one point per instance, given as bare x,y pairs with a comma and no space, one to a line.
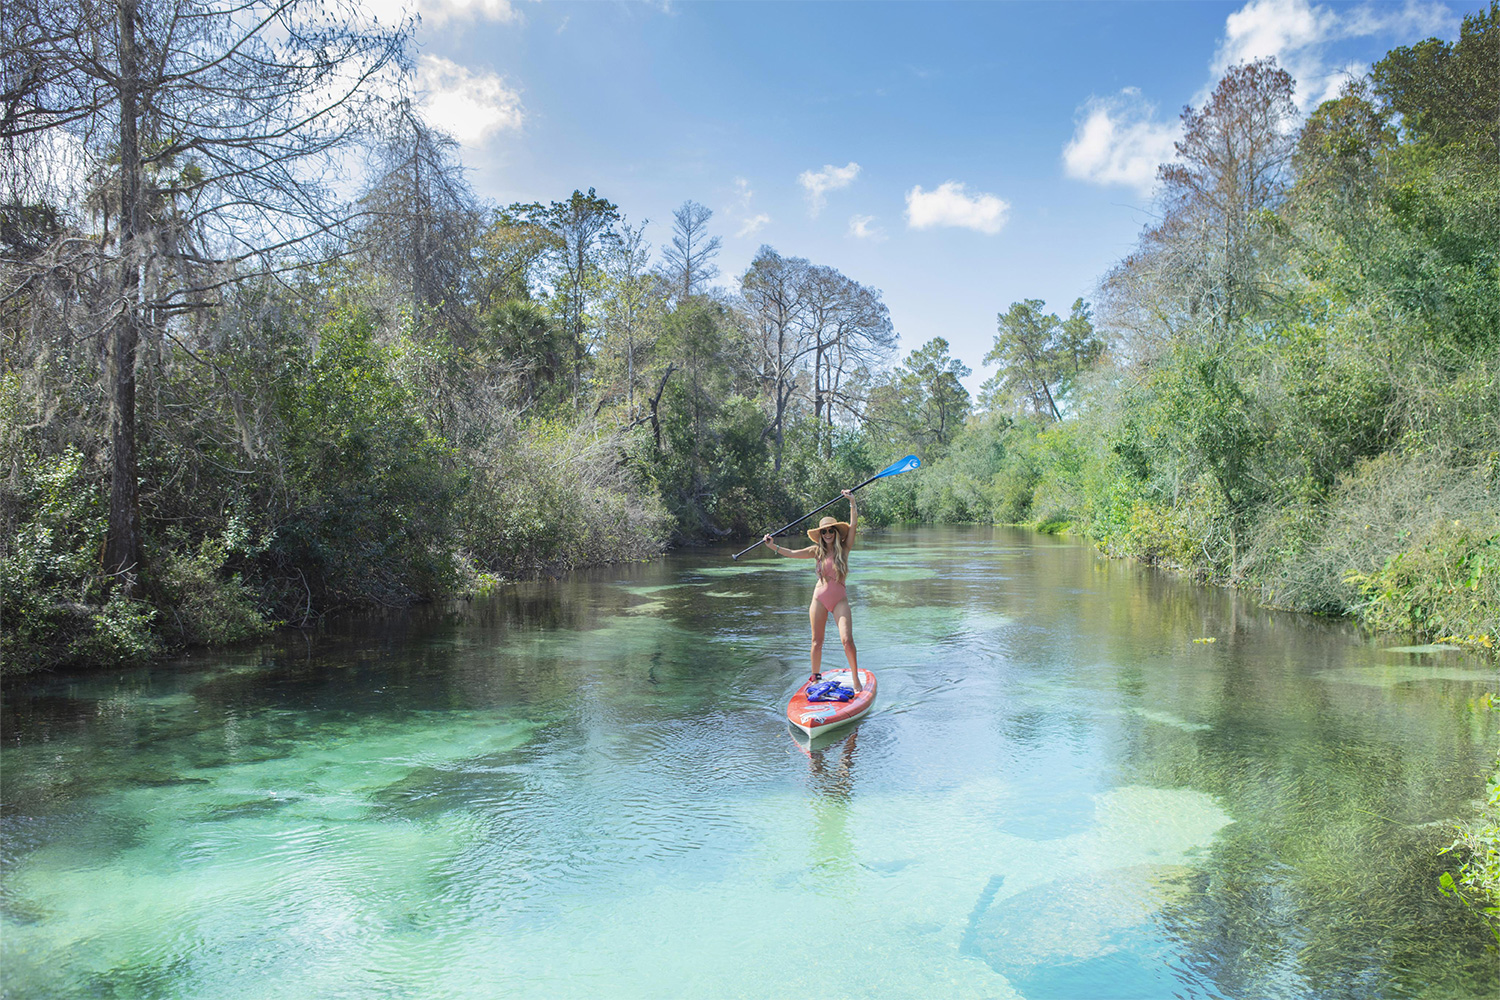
840,557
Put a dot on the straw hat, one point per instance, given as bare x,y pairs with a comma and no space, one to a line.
830,522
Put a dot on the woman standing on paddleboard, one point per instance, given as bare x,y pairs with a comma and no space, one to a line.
831,541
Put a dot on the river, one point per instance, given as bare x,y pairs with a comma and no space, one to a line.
1082,778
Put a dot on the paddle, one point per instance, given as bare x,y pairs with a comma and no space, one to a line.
895,468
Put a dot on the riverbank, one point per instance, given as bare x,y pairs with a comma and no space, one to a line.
1401,543
1443,588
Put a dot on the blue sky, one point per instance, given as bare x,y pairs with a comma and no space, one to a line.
958,157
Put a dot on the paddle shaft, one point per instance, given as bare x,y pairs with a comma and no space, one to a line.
804,517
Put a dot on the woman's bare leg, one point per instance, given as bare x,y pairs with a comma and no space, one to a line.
818,615
846,633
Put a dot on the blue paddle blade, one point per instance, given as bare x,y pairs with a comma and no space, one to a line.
904,465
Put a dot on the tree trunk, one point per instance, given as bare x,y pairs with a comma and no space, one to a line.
656,404
419,271
122,543
1052,405
781,400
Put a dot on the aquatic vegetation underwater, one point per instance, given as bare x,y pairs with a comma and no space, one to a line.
587,785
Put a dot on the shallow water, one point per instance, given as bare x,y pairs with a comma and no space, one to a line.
588,787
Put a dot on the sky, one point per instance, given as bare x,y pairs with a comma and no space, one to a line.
958,157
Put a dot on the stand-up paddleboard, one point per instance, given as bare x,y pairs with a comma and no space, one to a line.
814,717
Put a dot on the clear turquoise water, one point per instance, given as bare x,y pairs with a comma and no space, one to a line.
587,788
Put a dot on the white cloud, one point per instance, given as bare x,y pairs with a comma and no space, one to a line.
435,13
438,11
862,227
951,205
750,222
818,183
1272,28
743,193
753,225
1298,33
467,105
1117,140
1413,19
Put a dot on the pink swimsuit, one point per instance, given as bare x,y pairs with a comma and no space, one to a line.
830,589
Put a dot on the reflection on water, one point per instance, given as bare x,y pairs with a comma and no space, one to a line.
588,786
831,773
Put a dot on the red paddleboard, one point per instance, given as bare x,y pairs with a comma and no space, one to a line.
814,717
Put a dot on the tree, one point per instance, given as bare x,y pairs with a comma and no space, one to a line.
850,328
694,339
1341,161
772,290
1448,94
1233,164
1027,354
583,229
203,129
1396,202
689,258
1443,192
1041,356
633,304
531,349
923,401
1079,347
512,255
420,220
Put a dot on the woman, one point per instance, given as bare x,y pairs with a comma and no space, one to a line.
831,541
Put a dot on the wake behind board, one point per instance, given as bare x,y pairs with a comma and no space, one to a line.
814,717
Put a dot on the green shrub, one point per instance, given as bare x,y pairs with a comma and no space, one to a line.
549,496
893,500
951,496
1311,551
1446,583
204,606
122,632
810,476
740,495
1189,534
1054,524
55,612
54,519
1014,489
360,509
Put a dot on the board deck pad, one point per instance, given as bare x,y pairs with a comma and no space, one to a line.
813,717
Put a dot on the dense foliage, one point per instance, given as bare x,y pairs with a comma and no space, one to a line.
1291,384
1302,389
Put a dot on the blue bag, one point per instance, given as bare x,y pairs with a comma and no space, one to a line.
829,691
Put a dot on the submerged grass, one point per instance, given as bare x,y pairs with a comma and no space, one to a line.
569,767
1477,884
